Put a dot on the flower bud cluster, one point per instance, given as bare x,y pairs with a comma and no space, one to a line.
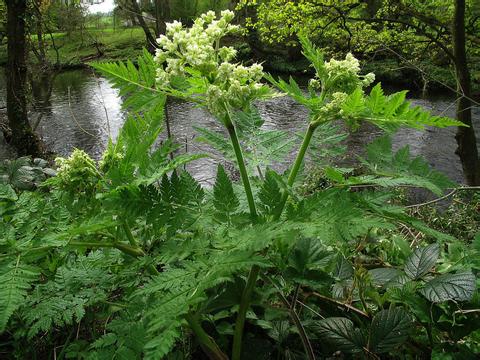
338,79
343,75
110,159
77,173
195,53
332,109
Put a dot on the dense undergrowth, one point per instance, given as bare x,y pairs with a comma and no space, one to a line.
132,258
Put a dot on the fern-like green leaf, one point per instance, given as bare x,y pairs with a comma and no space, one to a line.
136,84
270,195
390,112
16,279
224,198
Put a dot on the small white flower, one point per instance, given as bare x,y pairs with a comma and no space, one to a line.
173,27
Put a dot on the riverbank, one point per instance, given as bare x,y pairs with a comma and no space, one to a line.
74,51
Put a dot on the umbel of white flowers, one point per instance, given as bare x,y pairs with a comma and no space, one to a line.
195,56
338,79
192,63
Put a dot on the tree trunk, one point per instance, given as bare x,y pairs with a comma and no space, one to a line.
22,137
466,140
151,41
162,15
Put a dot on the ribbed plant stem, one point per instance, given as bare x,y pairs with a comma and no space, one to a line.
208,345
253,275
296,166
243,169
129,234
242,312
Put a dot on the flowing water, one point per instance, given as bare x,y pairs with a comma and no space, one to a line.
78,109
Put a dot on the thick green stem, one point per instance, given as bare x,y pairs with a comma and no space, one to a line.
129,234
92,244
243,169
252,276
127,249
242,312
296,166
206,342
130,250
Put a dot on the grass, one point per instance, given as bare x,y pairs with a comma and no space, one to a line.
79,48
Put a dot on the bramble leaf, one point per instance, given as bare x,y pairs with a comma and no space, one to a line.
341,333
458,287
389,329
421,261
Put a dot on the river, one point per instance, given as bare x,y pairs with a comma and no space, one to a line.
78,109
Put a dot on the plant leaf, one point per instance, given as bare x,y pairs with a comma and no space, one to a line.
389,329
459,287
422,261
224,198
341,333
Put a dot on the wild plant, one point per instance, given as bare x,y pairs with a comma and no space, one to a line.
131,254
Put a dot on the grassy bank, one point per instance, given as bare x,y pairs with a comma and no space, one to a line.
81,47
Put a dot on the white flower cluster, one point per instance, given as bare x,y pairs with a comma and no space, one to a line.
339,79
195,52
78,172
343,75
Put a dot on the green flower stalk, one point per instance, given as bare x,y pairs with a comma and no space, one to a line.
193,66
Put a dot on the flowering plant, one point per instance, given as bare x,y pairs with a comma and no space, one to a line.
333,83
77,173
193,65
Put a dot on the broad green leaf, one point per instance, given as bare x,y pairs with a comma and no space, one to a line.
458,287
389,329
381,276
343,268
422,261
309,254
334,174
308,263
341,333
